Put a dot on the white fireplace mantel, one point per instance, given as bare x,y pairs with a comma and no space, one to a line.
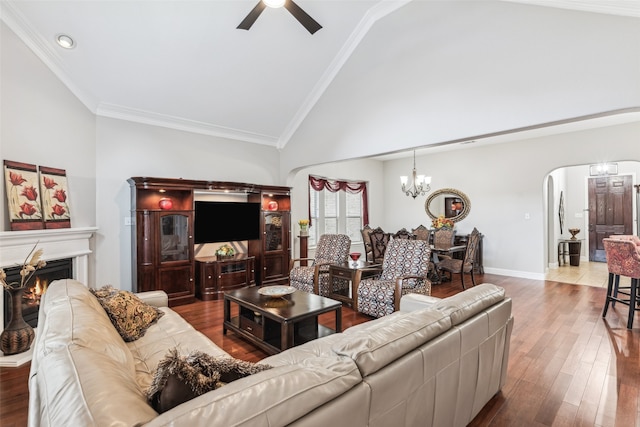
61,243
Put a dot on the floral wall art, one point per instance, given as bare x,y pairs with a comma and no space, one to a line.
25,212
38,197
55,198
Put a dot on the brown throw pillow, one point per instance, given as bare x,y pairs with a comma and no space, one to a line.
181,378
129,314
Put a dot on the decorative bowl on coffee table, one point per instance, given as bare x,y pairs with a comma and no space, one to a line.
573,232
276,291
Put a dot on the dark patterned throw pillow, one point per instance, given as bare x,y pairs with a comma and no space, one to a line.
129,314
181,378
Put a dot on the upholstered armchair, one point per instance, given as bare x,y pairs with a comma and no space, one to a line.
404,270
464,265
314,278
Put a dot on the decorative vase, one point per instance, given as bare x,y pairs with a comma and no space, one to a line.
18,335
304,230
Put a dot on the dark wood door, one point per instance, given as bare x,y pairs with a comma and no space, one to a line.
610,211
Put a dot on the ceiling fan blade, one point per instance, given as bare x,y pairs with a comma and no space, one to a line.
308,22
248,21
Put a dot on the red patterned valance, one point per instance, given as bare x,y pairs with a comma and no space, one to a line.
333,185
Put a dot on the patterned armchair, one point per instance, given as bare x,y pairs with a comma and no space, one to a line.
464,265
331,249
623,259
404,270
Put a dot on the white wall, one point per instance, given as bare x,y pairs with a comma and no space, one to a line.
43,123
126,149
367,170
505,181
496,66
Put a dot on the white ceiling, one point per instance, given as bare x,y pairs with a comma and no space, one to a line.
184,65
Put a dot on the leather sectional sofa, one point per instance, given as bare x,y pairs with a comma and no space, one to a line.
437,364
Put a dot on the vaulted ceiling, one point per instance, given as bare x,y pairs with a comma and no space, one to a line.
185,65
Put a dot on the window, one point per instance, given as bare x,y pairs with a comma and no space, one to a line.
336,207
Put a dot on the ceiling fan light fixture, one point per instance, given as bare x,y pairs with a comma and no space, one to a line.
274,3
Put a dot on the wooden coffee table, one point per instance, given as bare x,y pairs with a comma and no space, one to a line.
275,324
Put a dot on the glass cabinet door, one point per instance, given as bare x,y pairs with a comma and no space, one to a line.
273,231
174,238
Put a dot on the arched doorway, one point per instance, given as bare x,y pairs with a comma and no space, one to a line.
574,183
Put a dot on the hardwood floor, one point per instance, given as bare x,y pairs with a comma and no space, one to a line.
568,366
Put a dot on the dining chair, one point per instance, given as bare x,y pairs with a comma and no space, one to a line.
464,265
404,270
314,278
623,259
366,241
444,237
421,232
379,242
403,233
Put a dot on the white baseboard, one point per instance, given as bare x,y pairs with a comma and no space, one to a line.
514,273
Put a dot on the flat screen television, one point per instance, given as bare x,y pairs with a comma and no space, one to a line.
226,221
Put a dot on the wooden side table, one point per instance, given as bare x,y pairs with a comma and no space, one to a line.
348,271
572,248
304,249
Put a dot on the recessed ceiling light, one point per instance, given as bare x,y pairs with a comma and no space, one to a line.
274,3
65,41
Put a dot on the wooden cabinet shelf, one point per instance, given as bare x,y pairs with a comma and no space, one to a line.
216,275
273,250
163,241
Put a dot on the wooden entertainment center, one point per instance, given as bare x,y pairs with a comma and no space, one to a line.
163,240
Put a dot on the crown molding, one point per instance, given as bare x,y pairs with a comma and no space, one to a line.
177,123
610,7
382,9
42,49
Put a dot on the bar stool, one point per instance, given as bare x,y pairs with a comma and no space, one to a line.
616,286
622,260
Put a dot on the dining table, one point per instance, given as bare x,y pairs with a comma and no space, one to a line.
437,251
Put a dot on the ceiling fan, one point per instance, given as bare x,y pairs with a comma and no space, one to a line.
308,22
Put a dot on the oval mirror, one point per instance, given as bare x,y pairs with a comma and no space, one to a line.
451,203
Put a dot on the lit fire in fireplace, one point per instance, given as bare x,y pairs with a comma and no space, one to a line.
32,295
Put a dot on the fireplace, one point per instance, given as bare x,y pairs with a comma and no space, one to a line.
57,244
54,270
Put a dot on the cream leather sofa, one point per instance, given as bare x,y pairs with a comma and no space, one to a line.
437,365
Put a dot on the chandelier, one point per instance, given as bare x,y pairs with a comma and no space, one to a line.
420,184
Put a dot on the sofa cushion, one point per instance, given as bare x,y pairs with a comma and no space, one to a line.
384,340
128,313
70,314
413,302
275,397
171,331
467,304
181,378
82,386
